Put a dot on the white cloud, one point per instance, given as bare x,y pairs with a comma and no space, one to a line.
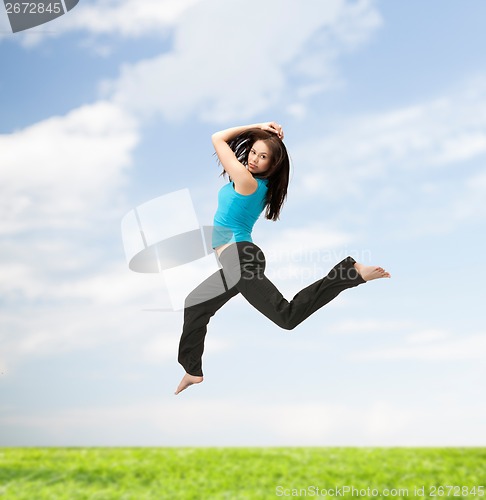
62,172
300,255
427,336
60,182
419,168
33,332
165,347
59,293
469,204
431,345
126,18
369,326
430,135
212,74
306,242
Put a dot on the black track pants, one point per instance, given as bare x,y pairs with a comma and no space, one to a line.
243,272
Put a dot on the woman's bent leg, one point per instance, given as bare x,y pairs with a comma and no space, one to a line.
265,296
200,305
262,294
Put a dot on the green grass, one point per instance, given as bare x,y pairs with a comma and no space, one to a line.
237,473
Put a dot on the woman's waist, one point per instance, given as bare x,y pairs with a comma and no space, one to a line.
229,234
244,250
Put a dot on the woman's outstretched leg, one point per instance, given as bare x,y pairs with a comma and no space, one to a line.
265,297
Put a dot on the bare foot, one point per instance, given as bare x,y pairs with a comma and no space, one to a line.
186,381
369,273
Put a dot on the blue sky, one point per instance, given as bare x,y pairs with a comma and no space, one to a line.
112,105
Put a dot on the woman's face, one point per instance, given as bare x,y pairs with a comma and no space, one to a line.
259,160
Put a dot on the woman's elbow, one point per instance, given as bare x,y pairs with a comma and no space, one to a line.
216,137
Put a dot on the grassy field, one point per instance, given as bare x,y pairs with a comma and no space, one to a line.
241,473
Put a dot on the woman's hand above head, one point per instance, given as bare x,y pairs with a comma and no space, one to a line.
273,127
238,172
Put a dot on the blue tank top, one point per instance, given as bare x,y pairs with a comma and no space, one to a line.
237,213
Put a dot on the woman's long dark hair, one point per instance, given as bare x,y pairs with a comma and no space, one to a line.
277,174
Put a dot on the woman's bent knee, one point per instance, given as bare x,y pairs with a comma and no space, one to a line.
285,324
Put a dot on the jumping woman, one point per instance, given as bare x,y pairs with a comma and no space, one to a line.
256,160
